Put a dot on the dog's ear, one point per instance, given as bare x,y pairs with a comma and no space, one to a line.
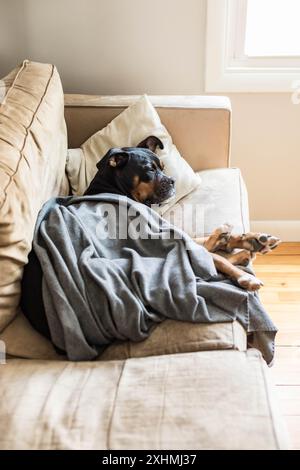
151,143
115,158
118,160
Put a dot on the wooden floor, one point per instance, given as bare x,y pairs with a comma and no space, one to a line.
280,272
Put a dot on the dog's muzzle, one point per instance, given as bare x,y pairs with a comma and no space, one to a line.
165,189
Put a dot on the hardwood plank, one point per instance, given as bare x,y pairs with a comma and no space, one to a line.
287,299
289,296
272,259
286,319
280,280
280,271
280,308
287,248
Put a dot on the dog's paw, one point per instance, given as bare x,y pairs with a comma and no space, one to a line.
219,238
249,282
223,234
267,242
254,242
225,229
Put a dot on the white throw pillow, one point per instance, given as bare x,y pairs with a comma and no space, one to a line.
133,125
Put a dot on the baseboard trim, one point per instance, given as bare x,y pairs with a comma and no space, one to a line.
287,230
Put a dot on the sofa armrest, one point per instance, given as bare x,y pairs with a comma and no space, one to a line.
220,198
199,125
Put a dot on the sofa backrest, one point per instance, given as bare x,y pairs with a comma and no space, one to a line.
199,125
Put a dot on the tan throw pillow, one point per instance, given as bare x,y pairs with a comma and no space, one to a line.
129,128
177,337
33,146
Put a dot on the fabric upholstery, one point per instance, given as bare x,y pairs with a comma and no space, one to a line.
221,198
205,400
33,143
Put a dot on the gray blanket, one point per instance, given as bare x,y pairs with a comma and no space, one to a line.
113,269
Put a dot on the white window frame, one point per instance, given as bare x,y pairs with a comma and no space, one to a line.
228,69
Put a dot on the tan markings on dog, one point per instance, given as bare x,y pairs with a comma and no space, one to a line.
136,181
142,191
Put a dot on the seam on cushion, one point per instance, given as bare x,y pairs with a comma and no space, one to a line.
169,352
196,341
163,408
163,352
45,428
72,418
114,408
241,204
26,136
261,365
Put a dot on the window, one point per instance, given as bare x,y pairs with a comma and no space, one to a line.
272,28
253,45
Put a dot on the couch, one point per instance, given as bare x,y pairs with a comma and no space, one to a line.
187,386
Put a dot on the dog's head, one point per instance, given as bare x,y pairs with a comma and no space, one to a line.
134,171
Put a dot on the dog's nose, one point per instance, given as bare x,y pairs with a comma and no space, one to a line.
263,238
172,180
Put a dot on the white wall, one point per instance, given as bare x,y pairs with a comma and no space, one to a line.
157,47
113,46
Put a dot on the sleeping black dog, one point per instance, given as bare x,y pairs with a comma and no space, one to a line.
135,172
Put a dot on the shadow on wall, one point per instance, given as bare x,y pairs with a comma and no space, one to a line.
13,34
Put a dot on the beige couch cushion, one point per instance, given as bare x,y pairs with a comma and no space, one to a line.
33,144
206,400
